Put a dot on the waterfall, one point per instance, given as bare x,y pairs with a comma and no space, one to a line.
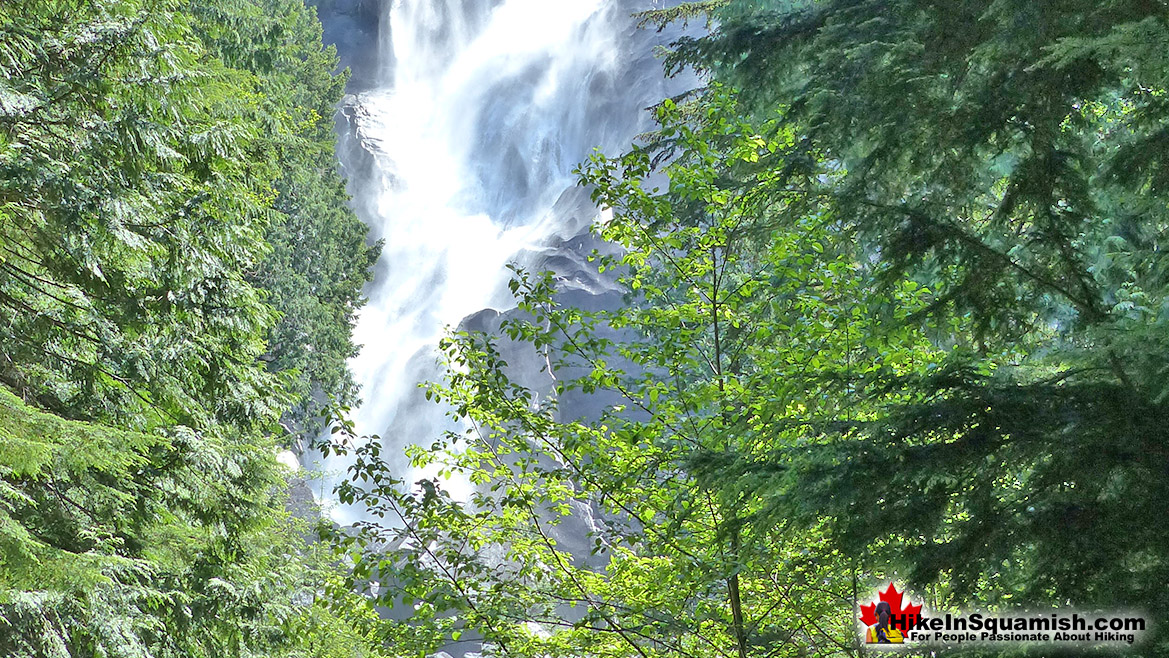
460,158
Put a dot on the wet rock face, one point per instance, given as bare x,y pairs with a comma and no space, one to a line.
302,504
580,286
358,153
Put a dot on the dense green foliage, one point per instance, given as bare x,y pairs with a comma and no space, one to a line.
1009,156
317,260
128,147
178,271
897,309
124,156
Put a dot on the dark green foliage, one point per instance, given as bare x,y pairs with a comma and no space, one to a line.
119,543
1009,156
129,220
155,197
177,269
982,141
971,482
318,260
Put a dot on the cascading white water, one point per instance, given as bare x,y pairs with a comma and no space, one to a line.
481,111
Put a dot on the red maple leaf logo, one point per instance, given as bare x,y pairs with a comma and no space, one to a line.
893,598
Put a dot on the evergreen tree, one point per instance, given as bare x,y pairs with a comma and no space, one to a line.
1008,156
318,259
155,157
